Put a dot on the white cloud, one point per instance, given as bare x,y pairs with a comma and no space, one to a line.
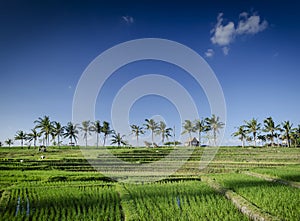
209,53
224,34
128,19
225,50
243,14
250,25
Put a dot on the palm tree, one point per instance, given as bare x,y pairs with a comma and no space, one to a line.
248,138
152,126
86,129
188,128
253,127
269,126
45,125
21,135
57,131
9,142
297,129
262,138
287,129
200,126
106,131
96,127
137,131
118,139
297,134
215,125
33,135
164,131
241,133
294,137
277,135
71,132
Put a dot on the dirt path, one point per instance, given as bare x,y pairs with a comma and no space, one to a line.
243,205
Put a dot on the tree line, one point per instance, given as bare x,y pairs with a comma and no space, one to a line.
251,131
269,131
46,130
53,131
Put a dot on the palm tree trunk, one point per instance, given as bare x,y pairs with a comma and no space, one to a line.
104,140
152,138
47,141
137,140
243,142
97,135
174,137
272,137
199,139
215,138
85,140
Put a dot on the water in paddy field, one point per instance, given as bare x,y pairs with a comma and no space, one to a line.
18,205
21,208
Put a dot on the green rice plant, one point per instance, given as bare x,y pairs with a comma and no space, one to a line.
183,200
277,199
63,202
289,173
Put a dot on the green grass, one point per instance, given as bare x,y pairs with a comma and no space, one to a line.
289,173
141,155
63,202
277,199
66,177
183,200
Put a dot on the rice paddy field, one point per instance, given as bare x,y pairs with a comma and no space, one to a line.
239,184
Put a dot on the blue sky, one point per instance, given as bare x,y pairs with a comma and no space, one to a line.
252,48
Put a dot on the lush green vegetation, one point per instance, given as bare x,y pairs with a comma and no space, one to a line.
291,173
279,200
58,201
46,131
269,134
181,200
64,186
